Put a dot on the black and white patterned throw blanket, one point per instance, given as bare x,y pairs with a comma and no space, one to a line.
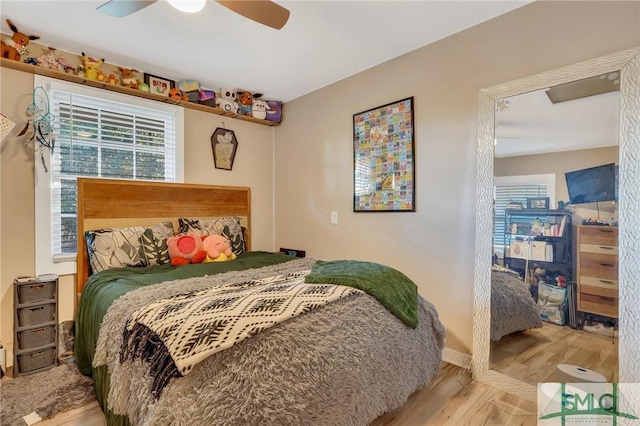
176,333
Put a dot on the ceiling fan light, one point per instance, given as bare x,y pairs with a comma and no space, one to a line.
189,6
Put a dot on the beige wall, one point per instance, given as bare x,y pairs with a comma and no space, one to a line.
558,163
435,245
253,167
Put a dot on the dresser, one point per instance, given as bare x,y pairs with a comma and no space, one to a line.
597,269
35,323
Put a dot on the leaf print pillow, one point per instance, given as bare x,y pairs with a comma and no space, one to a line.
119,247
228,227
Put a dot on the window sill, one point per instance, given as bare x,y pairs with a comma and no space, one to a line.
32,69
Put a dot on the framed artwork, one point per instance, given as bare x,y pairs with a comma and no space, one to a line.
224,145
383,158
538,203
158,85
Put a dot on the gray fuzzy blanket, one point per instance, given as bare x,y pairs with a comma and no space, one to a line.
512,307
345,363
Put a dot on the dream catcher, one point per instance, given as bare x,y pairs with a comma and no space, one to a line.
39,127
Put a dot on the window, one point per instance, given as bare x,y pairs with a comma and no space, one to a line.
517,189
97,134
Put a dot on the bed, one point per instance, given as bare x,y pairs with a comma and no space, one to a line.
343,362
512,307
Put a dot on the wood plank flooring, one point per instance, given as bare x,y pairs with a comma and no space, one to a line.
453,399
533,355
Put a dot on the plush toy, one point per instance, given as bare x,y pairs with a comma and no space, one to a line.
245,100
227,100
91,66
51,61
259,108
218,249
144,87
101,76
191,88
185,249
178,94
17,44
274,112
112,79
128,78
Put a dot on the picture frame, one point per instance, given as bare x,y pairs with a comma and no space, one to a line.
384,158
541,203
224,146
159,85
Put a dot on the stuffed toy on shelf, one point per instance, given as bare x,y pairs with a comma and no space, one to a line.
259,107
91,66
128,78
227,100
51,61
245,101
177,94
15,46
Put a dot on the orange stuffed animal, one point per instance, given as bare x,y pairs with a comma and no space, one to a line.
17,44
178,94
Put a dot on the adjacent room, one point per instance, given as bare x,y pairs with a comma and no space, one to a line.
308,212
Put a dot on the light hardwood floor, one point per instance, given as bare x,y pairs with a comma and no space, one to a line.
533,355
452,399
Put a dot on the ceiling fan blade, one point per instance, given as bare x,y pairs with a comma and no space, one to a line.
264,12
120,8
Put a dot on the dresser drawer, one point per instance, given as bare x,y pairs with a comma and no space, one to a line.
599,249
599,266
598,290
598,282
601,305
599,235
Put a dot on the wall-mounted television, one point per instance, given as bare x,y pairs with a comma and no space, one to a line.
592,185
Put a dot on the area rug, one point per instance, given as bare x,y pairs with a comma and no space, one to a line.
48,393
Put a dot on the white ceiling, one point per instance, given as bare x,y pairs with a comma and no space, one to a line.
534,125
323,42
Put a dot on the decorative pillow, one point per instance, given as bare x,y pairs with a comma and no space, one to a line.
153,241
228,227
119,247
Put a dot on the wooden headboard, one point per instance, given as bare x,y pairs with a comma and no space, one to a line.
116,203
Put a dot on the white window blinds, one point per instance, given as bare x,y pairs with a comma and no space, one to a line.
517,189
100,137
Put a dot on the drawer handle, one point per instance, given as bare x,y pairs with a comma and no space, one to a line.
607,282
610,265
607,299
606,248
606,230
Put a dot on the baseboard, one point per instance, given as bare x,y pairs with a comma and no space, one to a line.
456,358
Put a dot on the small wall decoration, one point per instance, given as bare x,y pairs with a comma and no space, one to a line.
383,155
224,145
538,203
158,85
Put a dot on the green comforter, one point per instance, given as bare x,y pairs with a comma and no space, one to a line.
390,287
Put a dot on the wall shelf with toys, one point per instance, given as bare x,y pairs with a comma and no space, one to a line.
32,69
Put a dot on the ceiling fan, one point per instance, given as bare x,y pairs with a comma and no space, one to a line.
264,12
